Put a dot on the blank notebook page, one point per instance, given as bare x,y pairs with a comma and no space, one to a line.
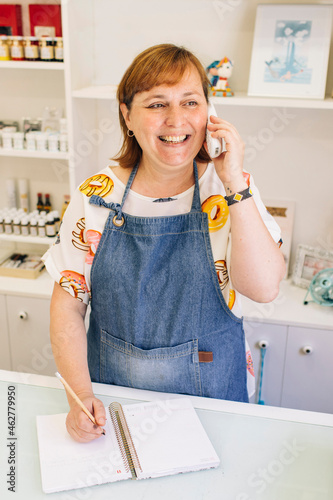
169,438
66,464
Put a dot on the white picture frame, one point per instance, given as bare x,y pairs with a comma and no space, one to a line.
290,51
309,261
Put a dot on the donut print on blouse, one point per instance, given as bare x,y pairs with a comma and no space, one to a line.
74,283
217,210
100,185
249,362
222,273
93,238
79,237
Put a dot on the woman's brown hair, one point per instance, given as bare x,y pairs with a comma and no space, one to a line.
163,64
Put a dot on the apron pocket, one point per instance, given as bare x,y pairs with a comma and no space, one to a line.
164,369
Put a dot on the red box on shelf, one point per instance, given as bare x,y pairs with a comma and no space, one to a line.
45,20
11,19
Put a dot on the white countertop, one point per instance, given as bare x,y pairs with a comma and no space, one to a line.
279,452
288,309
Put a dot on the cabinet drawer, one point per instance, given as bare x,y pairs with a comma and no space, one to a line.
29,323
308,379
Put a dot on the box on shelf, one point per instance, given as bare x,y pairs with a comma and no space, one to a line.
45,20
10,19
26,266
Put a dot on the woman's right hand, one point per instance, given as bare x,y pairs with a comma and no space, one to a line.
78,424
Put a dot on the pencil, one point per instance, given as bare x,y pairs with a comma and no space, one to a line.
77,399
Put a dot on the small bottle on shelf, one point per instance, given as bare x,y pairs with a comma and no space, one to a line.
47,204
40,203
50,226
41,227
25,226
33,227
17,225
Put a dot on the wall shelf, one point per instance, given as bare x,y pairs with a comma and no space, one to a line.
239,99
32,65
25,153
36,240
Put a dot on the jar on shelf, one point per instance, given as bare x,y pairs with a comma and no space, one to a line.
63,138
46,45
30,141
7,140
53,142
58,49
31,48
17,48
18,140
17,226
4,49
41,141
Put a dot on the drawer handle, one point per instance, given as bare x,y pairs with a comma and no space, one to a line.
23,315
263,344
307,349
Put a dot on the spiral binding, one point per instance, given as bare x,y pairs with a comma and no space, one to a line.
124,438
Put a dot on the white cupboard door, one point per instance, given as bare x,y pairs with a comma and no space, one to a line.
308,380
275,337
5,362
29,324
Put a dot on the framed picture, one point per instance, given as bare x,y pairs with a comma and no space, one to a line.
290,50
309,261
283,213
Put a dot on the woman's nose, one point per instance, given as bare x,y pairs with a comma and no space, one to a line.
175,116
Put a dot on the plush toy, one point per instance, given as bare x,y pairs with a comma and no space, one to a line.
218,73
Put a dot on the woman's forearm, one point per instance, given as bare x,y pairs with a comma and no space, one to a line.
69,341
257,264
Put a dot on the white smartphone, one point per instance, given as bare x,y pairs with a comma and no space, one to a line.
215,146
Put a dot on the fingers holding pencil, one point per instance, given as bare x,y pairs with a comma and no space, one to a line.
86,415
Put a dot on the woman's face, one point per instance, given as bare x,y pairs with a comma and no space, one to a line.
169,122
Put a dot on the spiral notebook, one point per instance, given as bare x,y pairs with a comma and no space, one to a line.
143,440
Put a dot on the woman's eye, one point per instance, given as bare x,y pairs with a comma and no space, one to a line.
155,105
191,103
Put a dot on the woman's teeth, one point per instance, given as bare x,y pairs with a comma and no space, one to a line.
173,139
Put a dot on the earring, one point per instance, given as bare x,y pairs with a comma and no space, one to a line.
130,133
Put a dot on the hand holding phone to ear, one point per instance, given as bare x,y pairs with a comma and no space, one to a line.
226,148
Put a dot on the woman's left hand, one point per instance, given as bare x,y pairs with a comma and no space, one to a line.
229,165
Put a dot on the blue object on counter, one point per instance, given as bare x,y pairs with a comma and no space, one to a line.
262,353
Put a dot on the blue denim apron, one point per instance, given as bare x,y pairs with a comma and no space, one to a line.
158,317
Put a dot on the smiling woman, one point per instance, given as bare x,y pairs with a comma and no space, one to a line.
163,279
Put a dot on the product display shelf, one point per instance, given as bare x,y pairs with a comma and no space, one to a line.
25,153
32,65
36,240
239,99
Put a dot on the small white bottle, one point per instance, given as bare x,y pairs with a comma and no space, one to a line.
41,227
17,225
25,226
50,226
33,227
8,225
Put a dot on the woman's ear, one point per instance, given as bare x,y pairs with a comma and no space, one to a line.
125,112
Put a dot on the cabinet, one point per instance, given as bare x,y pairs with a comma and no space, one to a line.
28,335
297,365
308,374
